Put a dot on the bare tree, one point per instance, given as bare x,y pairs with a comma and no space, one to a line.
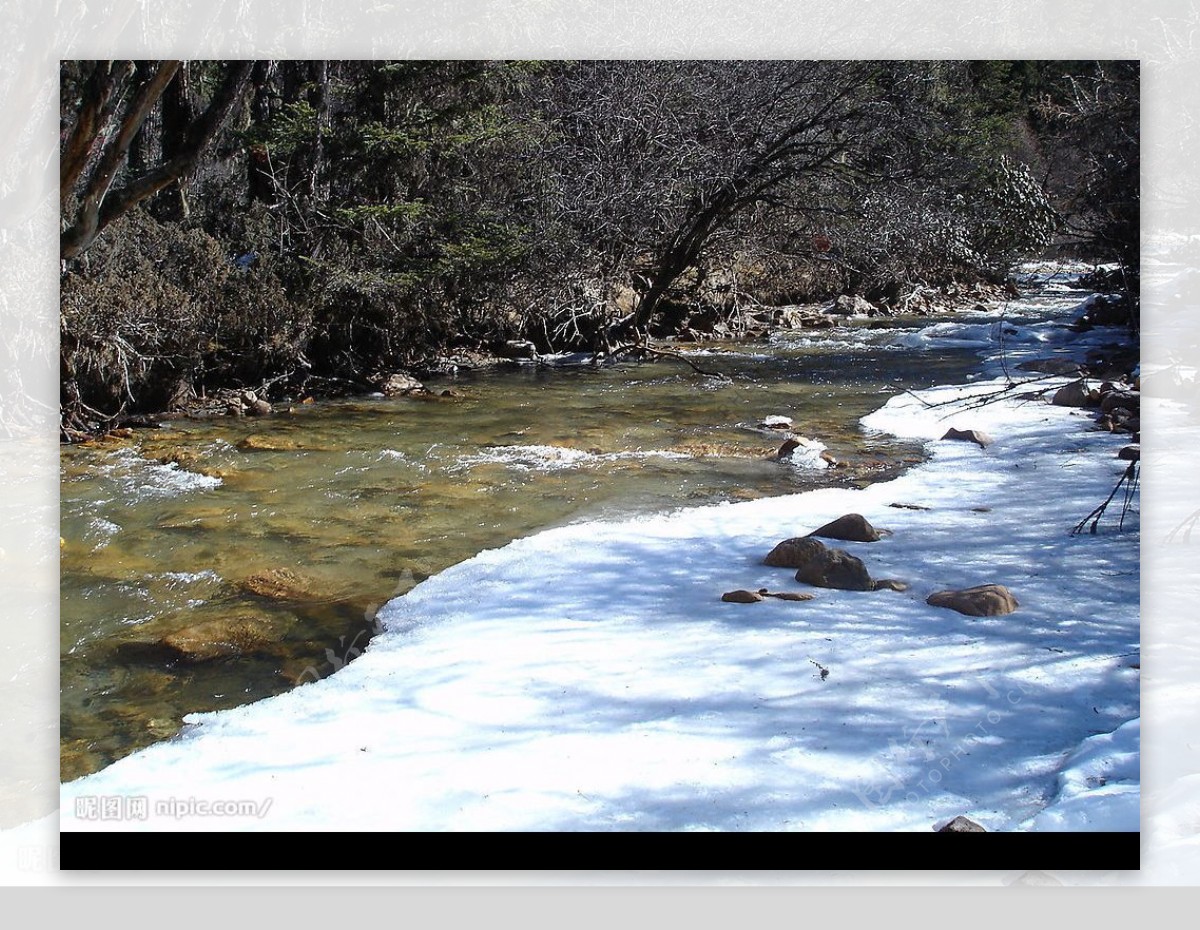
655,159
90,202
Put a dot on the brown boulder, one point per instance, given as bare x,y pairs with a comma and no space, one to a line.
785,595
853,527
981,439
985,600
891,584
1130,400
794,552
1075,394
399,383
741,596
279,584
836,568
222,637
257,442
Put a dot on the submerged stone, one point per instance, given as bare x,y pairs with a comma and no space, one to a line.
279,584
260,442
223,637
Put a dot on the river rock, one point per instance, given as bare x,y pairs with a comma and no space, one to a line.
985,600
775,422
1130,453
279,584
789,446
794,552
785,595
1129,400
1105,310
961,824
980,438
853,527
847,305
222,637
797,318
1075,394
519,348
193,461
400,383
890,584
741,596
836,568
798,442
259,442
260,408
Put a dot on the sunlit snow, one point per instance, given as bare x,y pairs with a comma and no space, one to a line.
590,677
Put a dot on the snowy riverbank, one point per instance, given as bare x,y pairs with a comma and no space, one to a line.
590,677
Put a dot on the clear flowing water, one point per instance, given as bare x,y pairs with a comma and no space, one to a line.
276,539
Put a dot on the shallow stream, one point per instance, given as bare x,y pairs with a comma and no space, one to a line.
212,563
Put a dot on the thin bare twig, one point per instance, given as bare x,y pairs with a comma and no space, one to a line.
639,348
1130,475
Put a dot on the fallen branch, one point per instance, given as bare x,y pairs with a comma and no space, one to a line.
991,397
1130,480
639,348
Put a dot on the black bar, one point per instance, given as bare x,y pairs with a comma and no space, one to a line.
120,852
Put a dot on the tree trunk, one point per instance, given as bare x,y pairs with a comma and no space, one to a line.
101,205
177,116
87,223
260,178
99,100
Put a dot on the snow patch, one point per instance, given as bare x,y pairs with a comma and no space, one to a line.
590,677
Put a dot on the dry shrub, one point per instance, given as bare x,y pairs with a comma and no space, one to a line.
157,313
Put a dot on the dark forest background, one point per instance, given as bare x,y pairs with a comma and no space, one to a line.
310,226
